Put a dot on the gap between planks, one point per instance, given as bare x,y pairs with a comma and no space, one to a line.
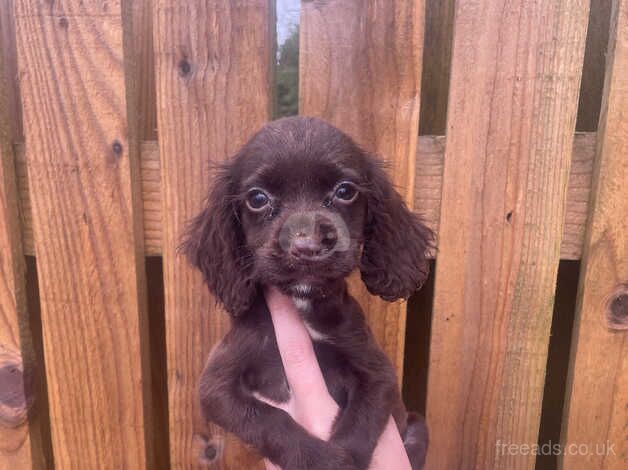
428,183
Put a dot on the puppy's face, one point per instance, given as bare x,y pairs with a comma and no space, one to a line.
303,213
301,206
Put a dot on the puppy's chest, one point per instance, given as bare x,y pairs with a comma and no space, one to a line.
265,379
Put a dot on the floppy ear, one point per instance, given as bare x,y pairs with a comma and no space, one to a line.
394,263
214,243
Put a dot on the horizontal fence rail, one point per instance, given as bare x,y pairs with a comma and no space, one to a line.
428,186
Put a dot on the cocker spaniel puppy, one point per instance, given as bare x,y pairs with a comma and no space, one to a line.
300,207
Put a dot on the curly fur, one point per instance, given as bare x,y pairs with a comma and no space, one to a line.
394,263
214,244
298,163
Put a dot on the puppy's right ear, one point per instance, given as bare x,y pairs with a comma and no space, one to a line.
214,243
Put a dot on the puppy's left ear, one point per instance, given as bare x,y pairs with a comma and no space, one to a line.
394,259
214,243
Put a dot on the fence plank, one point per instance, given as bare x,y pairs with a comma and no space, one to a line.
514,89
81,167
20,442
595,54
213,91
15,391
596,411
439,19
360,69
144,58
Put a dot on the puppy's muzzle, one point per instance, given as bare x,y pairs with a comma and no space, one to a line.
313,235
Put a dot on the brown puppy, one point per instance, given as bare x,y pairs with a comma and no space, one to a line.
300,207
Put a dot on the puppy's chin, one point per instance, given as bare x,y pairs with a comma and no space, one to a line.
304,290
308,286
306,279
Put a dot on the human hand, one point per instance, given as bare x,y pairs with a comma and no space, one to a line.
310,404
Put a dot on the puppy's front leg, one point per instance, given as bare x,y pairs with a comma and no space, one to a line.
272,431
369,406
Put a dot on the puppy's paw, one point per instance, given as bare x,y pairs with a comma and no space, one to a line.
415,440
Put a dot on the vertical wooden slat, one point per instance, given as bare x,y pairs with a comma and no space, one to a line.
20,441
595,55
15,391
144,58
139,55
213,62
82,159
11,109
439,19
596,412
514,88
360,69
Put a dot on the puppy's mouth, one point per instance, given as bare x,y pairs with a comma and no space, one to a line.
304,291
309,278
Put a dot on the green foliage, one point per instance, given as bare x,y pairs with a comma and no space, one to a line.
287,76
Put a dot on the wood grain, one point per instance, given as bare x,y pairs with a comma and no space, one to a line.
596,410
427,190
595,56
20,442
439,22
213,91
516,67
360,69
82,169
578,192
11,108
144,61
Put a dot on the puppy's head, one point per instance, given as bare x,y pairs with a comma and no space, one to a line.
300,207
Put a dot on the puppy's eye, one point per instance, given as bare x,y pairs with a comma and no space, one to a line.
257,200
346,192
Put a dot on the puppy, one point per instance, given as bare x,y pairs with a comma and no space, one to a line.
300,207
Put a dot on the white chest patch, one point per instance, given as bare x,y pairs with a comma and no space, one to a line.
282,405
302,304
305,306
314,334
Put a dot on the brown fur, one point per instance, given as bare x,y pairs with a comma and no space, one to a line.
307,235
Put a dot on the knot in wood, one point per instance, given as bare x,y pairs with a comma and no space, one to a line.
184,68
616,308
13,400
209,449
117,147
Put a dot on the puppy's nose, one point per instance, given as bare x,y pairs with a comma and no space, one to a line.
305,247
317,243
311,235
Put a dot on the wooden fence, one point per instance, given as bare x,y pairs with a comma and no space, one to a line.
112,110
